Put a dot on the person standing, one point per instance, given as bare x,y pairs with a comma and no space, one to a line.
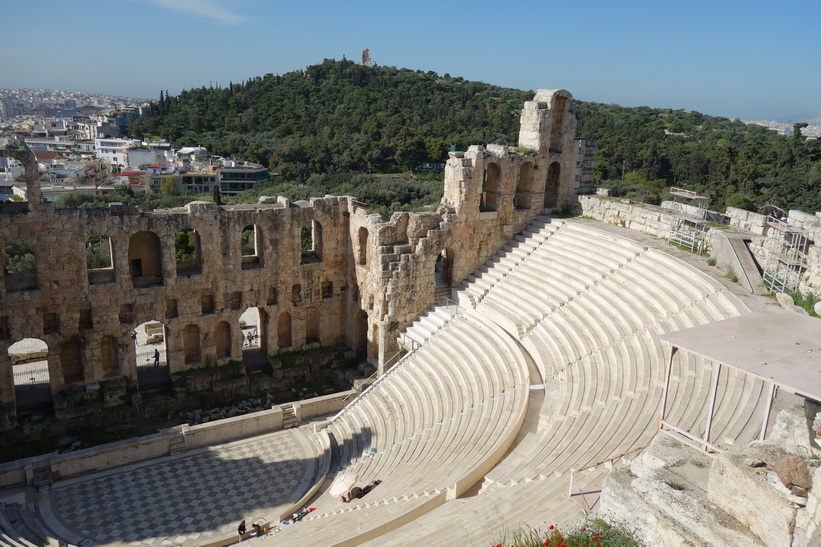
156,357
134,337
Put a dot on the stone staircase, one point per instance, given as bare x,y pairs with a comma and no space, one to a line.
428,324
177,443
477,285
42,475
288,417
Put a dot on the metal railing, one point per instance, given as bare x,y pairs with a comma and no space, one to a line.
447,301
31,377
587,507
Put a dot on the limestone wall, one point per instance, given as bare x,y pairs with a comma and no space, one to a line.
361,281
641,217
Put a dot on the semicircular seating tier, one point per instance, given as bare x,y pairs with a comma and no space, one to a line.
551,367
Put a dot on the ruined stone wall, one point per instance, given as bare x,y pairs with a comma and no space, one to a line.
365,280
491,193
73,306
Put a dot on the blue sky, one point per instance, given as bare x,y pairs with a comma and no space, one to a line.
748,59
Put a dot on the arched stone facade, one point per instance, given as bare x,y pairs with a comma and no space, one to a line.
358,281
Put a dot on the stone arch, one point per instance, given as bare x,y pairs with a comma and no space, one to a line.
222,339
361,335
19,265
362,239
557,124
444,268
151,354
12,148
71,361
551,187
312,321
524,187
145,259
191,344
187,252
30,375
490,187
109,357
284,330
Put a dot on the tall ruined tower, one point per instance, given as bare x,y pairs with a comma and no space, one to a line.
366,58
541,174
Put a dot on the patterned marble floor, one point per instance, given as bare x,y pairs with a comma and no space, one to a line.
187,498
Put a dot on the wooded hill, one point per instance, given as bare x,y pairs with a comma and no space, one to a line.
338,117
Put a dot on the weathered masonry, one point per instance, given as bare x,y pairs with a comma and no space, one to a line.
322,271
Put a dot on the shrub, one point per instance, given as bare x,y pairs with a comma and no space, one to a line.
594,533
806,301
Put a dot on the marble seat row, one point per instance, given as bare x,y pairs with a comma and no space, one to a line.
464,394
588,307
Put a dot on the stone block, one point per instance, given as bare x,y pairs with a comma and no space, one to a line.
748,495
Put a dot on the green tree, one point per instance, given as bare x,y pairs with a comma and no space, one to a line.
18,257
169,186
186,245
98,253
248,245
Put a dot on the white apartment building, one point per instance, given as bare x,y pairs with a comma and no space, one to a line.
114,151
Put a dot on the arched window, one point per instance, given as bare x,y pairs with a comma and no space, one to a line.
222,339
251,247
490,188
311,241
29,366
71,362
109,357
187,252
191,343
98,260
551,187
312,325
145,259
524,186
284,330
444,268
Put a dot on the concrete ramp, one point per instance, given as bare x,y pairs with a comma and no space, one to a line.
731,251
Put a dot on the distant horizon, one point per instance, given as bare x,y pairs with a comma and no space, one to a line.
737,59
796,118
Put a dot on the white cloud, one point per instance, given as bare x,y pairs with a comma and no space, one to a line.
210,9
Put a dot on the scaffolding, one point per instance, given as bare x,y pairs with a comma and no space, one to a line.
786,247
687,227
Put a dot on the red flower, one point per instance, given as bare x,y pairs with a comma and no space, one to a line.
551,526
546,542
584,530
596,538
561,539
